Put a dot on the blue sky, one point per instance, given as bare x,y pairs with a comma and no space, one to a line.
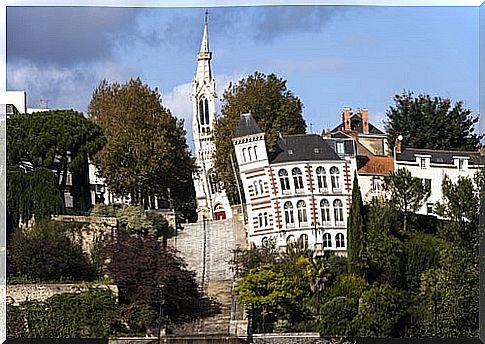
331,56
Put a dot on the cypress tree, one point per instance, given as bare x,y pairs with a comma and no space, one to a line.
356,232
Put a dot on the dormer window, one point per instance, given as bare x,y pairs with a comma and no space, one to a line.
340,148
290,151
316,150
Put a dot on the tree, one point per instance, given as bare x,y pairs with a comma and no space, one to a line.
145,272
146,155
432,123
45,253
407,193
267,294
460,206
449,296
382,310
356,250
275,108
59,141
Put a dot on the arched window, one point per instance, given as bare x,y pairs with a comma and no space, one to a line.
304,240
301,208
297,179
334,176
201,112
244,154
255,154
255,186
290,240
206,111
321,179
265,218
327,240
249,153
339,240
264,241
338,211
260,220
261,187
284,180
325,211
289,218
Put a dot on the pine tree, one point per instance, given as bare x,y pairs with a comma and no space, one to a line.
356,232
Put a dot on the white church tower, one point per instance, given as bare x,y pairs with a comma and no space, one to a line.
212,202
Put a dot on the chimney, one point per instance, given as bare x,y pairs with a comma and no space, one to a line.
346,118
364,115
398,146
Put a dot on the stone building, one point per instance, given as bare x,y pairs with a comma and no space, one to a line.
299,191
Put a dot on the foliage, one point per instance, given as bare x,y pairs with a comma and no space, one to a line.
382,310
275,108
433,123
460,205
449,297
349,286
46,253
55,318
146,155
384,248
103,210
421,252
138,319
336,316
356,250
32,192
145,273
134,220
407,193
267,293
58,141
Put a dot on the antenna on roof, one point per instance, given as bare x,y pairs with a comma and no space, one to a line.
206,14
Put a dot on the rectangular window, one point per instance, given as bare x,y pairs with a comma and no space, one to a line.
461,164
340,147
429,208
423,163
427,183
376,184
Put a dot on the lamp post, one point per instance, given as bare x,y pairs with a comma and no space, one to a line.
160,311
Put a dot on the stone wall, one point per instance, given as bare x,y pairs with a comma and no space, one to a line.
296,338
17,293
94,228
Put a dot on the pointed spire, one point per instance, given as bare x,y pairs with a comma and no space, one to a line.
204,46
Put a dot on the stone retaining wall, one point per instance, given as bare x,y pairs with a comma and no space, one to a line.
17,293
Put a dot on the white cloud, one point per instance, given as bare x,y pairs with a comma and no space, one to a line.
63,87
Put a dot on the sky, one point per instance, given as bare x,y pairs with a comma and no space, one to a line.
331,56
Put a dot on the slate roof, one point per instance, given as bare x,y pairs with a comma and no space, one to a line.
294,148
356,125
247,126
438,156
375,165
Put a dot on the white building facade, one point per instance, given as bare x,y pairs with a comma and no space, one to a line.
432,166
212,202
300,191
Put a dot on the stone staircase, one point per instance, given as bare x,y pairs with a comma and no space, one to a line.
208,249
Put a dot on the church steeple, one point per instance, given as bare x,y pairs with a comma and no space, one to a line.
212,201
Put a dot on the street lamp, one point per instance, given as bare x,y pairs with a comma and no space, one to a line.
160,314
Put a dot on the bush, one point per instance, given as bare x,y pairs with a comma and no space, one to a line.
45,253
336,316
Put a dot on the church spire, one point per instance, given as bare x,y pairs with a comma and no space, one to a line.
204,52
